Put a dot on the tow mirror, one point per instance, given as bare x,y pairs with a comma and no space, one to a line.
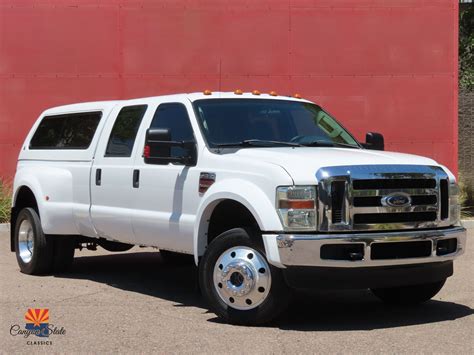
159,148
374,141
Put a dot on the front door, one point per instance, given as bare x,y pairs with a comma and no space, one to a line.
165,205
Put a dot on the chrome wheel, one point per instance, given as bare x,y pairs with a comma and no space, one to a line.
242,278
26,241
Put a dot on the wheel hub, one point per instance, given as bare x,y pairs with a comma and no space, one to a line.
242,278
26,241
238,278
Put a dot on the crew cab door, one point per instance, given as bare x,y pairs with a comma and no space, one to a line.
167,197
112,191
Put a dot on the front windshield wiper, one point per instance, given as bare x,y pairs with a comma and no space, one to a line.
257,143
329,144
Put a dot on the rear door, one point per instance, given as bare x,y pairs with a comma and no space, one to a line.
112,176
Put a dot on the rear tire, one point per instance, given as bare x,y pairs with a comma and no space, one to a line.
408,295
237,281
34,249
64,247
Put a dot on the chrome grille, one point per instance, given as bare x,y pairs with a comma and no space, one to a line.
355,197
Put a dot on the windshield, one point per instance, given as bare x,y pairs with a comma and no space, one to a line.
246,122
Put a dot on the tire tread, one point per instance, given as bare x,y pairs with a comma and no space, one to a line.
42,260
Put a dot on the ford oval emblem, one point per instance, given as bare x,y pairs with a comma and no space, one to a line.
396,199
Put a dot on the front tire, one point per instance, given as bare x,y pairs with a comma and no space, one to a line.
34,249
237,281
408,295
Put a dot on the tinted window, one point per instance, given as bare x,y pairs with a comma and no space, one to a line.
174,117
71,131
124,132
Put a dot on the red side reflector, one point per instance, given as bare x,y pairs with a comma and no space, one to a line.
146,151
205,181
297,204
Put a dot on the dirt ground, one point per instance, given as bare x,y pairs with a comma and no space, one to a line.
134,302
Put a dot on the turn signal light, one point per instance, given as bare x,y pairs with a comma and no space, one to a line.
146,151
297,204
207,92
205,181
238,92
273,93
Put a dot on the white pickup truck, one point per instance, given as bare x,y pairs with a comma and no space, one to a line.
269,193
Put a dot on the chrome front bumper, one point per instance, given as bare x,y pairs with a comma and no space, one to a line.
305,250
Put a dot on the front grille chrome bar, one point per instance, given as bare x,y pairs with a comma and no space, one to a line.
384,192
421,182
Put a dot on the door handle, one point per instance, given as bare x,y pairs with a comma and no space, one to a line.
98,177
136,178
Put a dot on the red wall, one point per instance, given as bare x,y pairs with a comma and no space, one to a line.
388,66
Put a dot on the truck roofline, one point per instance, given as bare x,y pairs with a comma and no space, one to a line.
100,105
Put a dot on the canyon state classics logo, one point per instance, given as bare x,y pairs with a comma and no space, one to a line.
37,320
37,325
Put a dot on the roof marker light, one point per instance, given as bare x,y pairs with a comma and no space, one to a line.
238,92
207,92
297,96
273,93
256,92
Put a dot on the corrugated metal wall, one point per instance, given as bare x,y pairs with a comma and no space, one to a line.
383,65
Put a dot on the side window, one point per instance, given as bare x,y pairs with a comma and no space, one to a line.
174,117
70,131
124,132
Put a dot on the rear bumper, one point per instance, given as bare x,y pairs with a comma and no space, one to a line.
285,250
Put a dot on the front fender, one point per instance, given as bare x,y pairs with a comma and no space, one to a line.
242,191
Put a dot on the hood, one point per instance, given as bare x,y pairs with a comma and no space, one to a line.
302,163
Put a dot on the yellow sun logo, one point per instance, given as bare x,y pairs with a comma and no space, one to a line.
37,316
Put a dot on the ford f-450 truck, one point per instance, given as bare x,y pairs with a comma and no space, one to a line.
269,193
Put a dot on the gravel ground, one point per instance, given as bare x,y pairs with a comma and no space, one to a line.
134,302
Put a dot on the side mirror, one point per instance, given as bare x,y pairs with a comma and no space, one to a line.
374,141
159,149
155,137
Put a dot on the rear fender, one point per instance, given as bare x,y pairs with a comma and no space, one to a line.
52,188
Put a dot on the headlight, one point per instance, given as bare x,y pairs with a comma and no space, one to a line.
454,206
296,206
